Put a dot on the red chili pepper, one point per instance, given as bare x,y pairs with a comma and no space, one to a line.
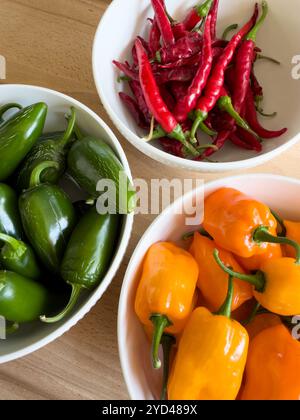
251,116
190,61
127,70
188,102
219,142
179,31
154,101
240,143
167,97
154,38
257,89
172,147
214,18
163,23
139,96
196,14
182,74
216,80
250,139
134,110
185,47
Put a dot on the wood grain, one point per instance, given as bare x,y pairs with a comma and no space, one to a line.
48,43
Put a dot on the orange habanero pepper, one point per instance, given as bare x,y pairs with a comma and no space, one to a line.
212,281
211,356
233,220
166,291
254,263
292,232
273,365
277,283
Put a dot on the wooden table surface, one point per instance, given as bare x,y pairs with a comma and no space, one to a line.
48,43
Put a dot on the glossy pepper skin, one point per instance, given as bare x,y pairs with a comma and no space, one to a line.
254,263
210,360
18,135
18,257
88,255
22,300
10,222
163,23
272,370
231,218
166,290
212,280
48,219
90,160
292,232
5,108
54,148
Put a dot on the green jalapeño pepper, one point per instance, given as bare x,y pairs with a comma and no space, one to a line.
48,218
18,135
5,108
88,255
18,257
21,299
10,222
91,160
53,148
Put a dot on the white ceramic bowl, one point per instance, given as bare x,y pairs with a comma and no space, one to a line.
33,336
124,20
280,193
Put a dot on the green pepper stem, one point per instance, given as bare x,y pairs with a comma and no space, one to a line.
76,290
178,134
160,323
203,9
199,118
225,309
167,342
264,114
258,279
7,107
18,246
35,178
265,57
280,222
261,234
225,104
70,129
229,29
207,130
253,33
78,133
252,315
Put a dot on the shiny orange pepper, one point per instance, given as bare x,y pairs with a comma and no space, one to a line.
254,263
277,283
292,232
165,292
211,356
232,219
212,280
272,370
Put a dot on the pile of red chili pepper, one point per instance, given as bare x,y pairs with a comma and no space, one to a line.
185,79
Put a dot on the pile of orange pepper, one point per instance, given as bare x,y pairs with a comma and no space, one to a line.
225,306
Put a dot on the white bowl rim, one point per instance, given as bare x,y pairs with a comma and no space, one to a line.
98,293
160,155
154,225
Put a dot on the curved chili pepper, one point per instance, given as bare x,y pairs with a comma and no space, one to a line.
229,29
185,47
196,14
139,96
127,70
216,80
214,19
249,139
188,102
10,222
134,110
160,300
163,23
154,38
240,143
155,102
211,356
18,257
252,119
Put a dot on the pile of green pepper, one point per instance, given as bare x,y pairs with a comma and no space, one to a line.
41,231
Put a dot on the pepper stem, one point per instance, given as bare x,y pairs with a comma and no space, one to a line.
18,247
35,178
225,104
7,107
261,234
178,134
203,127
200,117
265,57
167,342
280,221
70,129
204,9
225,309
78,133
160,323
257,280
229,29
76,290
253,33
